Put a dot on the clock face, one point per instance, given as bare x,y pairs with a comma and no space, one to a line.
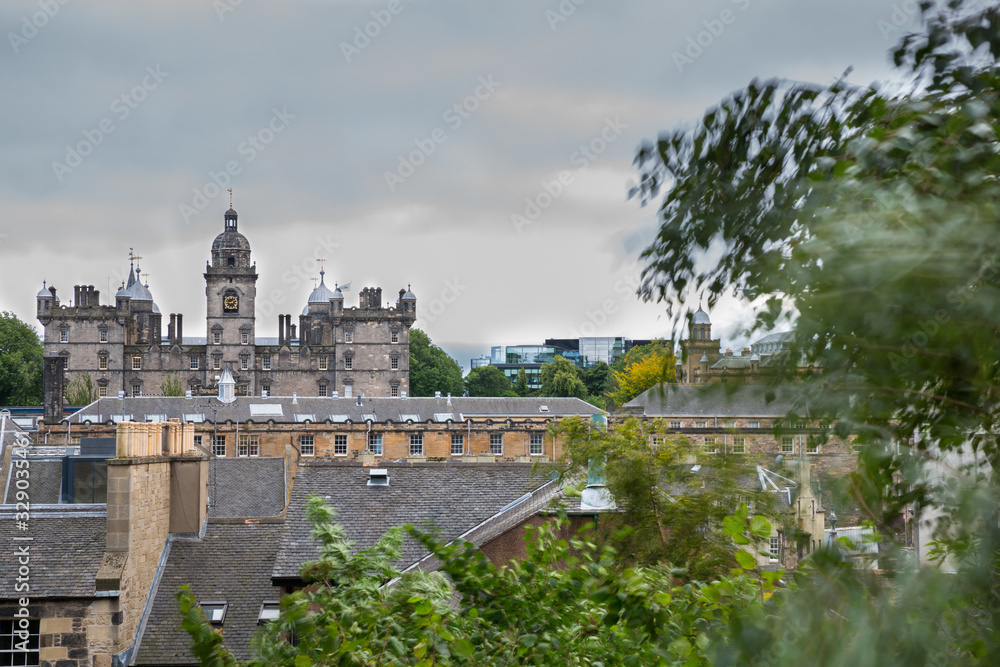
231,303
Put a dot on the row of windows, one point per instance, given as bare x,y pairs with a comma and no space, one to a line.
710,445
245,337
801,425
249,445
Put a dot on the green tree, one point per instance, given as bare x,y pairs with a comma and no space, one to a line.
81,391
598,379
643,367
431,369
488,381
521,383
20,362
171,385
561,378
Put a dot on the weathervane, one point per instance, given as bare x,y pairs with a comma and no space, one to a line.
230,197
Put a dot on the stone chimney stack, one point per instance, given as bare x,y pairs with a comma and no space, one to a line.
54,385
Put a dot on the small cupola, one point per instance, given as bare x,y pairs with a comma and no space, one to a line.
227,386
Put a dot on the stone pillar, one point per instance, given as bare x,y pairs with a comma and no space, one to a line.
54,381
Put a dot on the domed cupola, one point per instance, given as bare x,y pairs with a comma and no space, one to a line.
230,248
701,325
322,293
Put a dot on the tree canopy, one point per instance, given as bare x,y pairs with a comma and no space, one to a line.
643,367
561,378
488,381
20,362
431,369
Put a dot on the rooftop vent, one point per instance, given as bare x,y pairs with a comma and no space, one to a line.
378,477
543,408
336,394
437,394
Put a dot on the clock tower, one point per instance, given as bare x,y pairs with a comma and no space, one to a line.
230,290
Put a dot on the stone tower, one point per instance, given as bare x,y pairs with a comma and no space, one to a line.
230,290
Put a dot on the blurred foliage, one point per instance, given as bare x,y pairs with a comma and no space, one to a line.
171,385
641,368
81,391
488,381
561,377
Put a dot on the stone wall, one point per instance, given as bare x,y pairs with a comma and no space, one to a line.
74,633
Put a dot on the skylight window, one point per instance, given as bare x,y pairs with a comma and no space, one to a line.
194,417
266,410
269,610
404,418
543,408
370,417
340,419
215,612
443,416
305,418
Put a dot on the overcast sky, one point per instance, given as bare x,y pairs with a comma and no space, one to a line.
397,139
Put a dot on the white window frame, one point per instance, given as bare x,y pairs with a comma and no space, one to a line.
102,391
416,444
457,440
217,338
394,337
322,390
136,362
249,445
375,443
102,362
194,363
496,444
103,336
675,424
219,445
711,445
753,424
774,547
64,335
787,444
348,336
340,444
394,363
244,338
348,362
536,444
244,364
323,362
307,445
394,390
265,361
739,445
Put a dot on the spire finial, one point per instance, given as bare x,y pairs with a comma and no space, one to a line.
44,286
230,197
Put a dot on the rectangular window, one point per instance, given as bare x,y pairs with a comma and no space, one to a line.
102,362
11,642
394,390
197,440
775,548
753,424
675,424
340,445
104,335
136,390
219,448
349,363
701,424
243,389
348,336
416,444
194,362
787,444
64,336
496,444
244,338
739,445
322,390
215,612
710,446
306,445
265,388
249,445
812,447
265,361
394,363
323,363
800,426
348,390
394,337
244,364
656,440
375,443
536,444
136,363
457,444
102,391
269,610
217,362
217,338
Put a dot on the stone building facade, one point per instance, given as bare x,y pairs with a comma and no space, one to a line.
332,349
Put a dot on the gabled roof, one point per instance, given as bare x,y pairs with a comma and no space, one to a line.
715,400
453,498
232,563
241,410
247,487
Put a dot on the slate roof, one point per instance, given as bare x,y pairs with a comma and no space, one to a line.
454,498
174,407
65,552
247,487
45,479
232,563
715,400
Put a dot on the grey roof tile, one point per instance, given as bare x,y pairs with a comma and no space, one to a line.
247,487
65,553
174,407
453,498
716,400
232,563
